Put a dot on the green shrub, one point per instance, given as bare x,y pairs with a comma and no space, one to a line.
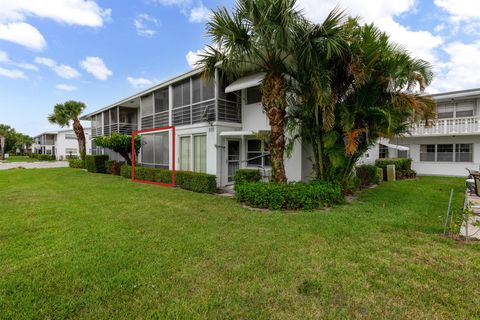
45,157
380,175
291,196
400,163
196,181
71,156
96,164
126,171
113,167
367,174
76,163
247,175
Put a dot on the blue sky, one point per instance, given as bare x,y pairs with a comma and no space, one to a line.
101,51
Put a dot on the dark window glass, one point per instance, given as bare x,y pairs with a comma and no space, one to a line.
106,118
147,105
161,150
161,100
382,151
208,89
445,152
464,152
186,92
177,96
254,95
427,152
466,113
147,148
196,90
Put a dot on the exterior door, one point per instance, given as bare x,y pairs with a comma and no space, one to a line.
233,159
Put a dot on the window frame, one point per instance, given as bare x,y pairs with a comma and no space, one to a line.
265,163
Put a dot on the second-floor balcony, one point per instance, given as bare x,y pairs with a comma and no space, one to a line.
447,127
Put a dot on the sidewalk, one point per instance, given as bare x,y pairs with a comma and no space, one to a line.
34,165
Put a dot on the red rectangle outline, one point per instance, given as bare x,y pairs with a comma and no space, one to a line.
134,133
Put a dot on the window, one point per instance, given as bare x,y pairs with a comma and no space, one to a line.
445,111
70,151
70,136
257,153
161,100
445,152
464,109
464,152
185,153
254,95
382,151
403,153
147,105
427,152
200,153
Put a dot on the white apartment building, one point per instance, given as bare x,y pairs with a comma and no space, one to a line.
60,143
219,126
449,145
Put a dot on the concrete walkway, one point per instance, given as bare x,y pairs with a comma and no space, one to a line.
34,165
471,228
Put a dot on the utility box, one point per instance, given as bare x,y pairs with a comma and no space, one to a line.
391,172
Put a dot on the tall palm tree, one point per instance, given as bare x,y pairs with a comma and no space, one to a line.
63,113
258,36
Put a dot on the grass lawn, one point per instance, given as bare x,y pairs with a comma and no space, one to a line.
20,159
81,245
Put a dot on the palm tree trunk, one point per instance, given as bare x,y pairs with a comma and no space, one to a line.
274,104
78,129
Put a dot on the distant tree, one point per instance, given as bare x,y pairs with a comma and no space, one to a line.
120,143
71,110
9,134
22,142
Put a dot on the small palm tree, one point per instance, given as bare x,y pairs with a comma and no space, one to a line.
63,113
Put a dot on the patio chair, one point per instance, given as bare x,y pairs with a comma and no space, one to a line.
473,182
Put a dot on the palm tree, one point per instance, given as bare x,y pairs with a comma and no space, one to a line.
63,113
258,37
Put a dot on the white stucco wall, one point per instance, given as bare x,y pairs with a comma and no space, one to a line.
62,143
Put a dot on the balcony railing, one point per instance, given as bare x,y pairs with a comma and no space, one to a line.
459,126
123,128
205,111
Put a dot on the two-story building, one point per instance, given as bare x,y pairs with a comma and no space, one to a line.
60,144
448,145
219,126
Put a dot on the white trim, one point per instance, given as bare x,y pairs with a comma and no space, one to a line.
252,80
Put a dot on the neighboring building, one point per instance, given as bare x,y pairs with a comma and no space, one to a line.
448,146
60,143
219,126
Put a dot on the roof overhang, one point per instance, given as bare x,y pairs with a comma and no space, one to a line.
252,80
394,146
236,133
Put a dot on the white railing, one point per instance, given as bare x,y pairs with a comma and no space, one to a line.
467,125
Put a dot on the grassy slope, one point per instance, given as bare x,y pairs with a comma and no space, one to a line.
80,245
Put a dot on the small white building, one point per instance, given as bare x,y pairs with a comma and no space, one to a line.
61,143
449,145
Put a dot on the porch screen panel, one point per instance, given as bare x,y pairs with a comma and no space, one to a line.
147,112
445,111
200,153
147,149
464,109
185,153
161,150
445,152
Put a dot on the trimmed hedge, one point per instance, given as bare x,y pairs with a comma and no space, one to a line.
188,180
247,175
76,163
291,196
113,167
96,164
400,163
367,174
42,157
405,174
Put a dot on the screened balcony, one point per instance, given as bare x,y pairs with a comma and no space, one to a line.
118,119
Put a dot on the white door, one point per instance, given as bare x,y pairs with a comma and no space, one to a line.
233,159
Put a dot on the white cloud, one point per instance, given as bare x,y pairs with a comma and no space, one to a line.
192,58
61,70
180,3
14,14
421,43
4,58
23,34
65,87
139,82
199,14
96,67
145,25
461,71
12,73
460,10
